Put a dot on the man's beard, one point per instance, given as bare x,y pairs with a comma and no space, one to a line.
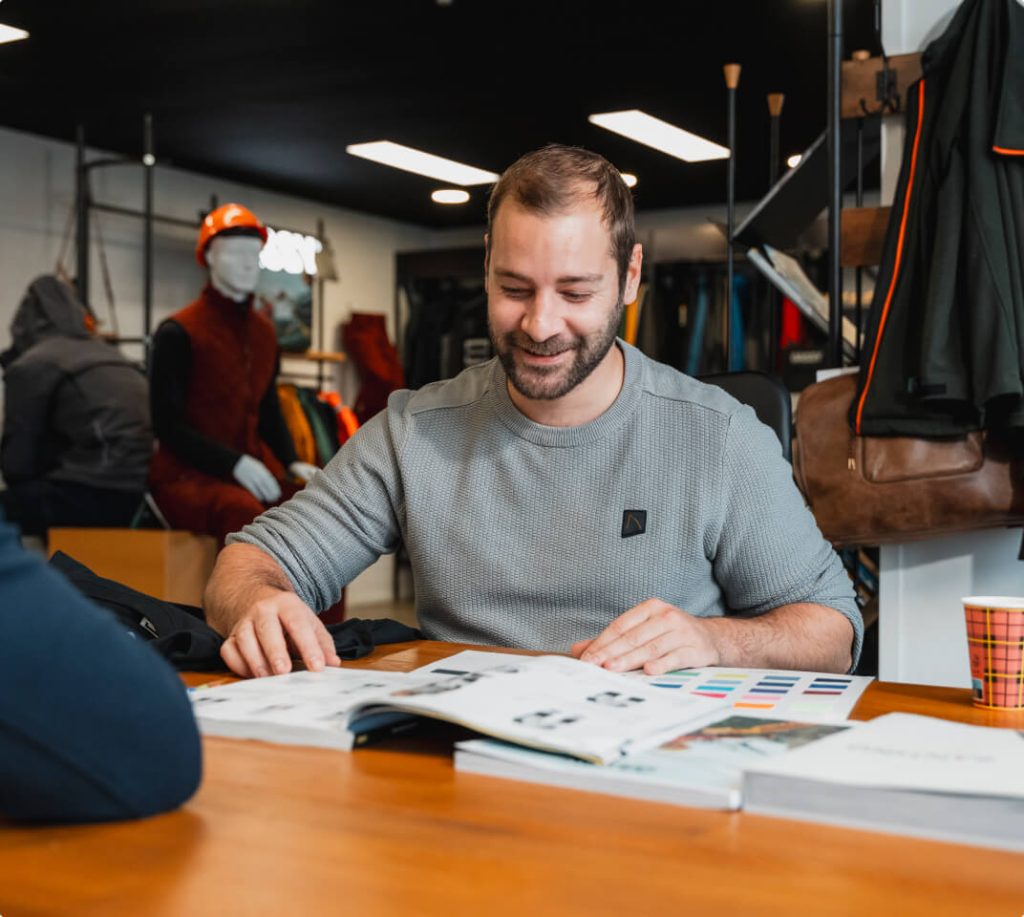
546,383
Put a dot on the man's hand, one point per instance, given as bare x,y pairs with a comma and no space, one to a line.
249,601
655,636
660,637
263,641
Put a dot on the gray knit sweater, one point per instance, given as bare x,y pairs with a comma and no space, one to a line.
517,532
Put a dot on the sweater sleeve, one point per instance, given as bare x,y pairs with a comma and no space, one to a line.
94,725
170,368
768,551
342,521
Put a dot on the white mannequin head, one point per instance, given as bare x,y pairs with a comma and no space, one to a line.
234,263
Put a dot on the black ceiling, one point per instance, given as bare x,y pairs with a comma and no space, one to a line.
270,92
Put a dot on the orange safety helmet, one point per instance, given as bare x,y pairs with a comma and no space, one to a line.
227,216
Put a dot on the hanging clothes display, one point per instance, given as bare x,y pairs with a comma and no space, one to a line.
366,342
345,417
324,428
944,348
297,422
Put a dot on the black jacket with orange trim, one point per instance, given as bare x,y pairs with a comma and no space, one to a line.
944,349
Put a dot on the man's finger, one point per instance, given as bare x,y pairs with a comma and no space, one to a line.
326,643
645,642
271,638
577,649
619,627
249,649
233,659
299,625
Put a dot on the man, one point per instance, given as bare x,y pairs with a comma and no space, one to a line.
94,725
569,495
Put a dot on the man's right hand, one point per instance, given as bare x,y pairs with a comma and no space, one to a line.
250,602
274,628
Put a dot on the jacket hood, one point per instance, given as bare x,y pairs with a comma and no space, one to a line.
50,307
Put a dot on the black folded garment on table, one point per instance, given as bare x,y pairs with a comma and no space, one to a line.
181,635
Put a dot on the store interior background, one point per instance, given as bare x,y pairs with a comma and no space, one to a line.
37,188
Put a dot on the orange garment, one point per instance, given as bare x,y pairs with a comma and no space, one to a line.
297,423
348,423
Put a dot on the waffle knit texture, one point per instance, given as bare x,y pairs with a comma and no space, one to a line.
514,529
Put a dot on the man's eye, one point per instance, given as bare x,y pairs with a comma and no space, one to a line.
576,295
515,292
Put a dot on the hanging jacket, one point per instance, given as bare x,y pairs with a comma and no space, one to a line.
944,348
75,410
298,425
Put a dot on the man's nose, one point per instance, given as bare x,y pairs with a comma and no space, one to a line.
542,318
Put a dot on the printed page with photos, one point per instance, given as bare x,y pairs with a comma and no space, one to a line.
813,697
547,702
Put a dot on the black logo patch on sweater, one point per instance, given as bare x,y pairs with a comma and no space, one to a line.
634,522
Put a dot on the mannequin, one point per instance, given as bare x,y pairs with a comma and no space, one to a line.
223,446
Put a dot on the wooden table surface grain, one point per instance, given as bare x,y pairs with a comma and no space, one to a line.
392,829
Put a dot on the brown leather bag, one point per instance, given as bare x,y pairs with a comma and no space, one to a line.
867,490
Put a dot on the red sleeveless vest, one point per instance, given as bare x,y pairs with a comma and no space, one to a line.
234,358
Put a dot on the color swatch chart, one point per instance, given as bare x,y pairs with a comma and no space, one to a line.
811,696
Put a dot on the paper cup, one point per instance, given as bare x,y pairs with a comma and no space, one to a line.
995,642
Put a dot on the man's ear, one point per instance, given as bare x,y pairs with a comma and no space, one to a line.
636,260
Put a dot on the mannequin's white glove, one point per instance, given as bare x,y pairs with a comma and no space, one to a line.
256,478
303,471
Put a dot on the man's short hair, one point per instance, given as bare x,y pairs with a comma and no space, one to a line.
550,180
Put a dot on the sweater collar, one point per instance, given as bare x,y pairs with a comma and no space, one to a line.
566,437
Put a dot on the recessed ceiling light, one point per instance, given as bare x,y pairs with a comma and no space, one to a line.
10,33
411,160
629,178
450,196
794,160
653,132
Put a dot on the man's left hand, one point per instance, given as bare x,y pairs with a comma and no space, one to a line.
654,636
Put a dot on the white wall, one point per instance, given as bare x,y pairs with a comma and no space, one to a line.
36,195
907,26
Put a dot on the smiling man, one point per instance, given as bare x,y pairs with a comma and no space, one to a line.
569,495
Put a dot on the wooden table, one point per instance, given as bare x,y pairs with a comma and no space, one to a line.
392,829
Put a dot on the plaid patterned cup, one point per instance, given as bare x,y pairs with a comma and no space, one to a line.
995,641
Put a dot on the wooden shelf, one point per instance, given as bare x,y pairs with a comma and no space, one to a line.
315,356
863,235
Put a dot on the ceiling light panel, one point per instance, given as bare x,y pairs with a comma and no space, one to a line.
412,160
450,196
10,33
660,135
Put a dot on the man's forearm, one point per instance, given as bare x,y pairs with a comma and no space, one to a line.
243,575
799,636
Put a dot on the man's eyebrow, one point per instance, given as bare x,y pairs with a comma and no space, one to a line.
511,275
565,278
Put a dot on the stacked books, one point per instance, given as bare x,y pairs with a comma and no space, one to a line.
710,738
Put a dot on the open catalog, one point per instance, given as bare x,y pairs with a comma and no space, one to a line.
546,702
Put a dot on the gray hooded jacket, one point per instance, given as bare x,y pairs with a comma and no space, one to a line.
74,408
